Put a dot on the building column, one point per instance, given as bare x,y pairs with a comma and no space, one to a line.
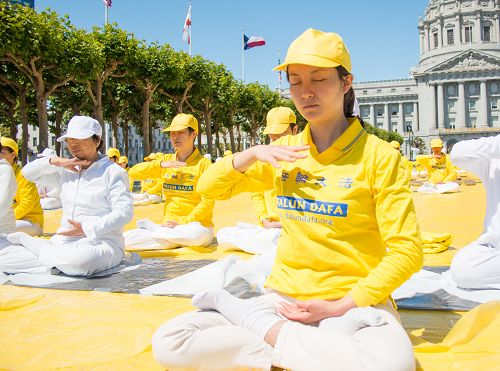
387,117
458,30
373,117
401,119
421,37
460,121
440,106
426,39
477,29
415,124
482,120
497,28
440,33
432,106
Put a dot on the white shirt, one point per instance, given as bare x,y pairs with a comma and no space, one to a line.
97,197
8,189
482,157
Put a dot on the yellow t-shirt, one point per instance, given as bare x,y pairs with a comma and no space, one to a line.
27,201
264,204
349,224
182,203
441,170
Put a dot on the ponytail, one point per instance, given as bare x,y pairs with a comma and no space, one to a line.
349,96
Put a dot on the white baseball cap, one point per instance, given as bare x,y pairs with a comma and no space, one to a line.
82,127
47,152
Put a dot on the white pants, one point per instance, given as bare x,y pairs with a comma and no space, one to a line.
206,340
50,203
191,234
476,266
249,237
72,256
28,227
145,199
448,187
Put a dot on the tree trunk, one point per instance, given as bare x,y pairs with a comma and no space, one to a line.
231,139
125,135
23,110
41,104
238,138
199,140
217,140
207,114
13,128
148,94
114,127
59,119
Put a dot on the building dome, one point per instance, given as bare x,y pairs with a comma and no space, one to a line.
451,27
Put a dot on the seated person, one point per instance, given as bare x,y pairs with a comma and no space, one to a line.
27,208
113,154
251,238
8,188
408,165
48,186
151,189
96,204
187,217
477,265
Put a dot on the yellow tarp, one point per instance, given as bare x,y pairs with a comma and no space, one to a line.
47,329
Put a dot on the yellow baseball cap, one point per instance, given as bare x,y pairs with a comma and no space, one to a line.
183,121
151,157
113,152
11,143
317,48
395,144
279,119
436,143
123,160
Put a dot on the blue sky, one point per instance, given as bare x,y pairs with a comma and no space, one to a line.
382,35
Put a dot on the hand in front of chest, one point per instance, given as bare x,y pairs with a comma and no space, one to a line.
75,231
170,224
172,164
268,224
73,164
267,153
310,311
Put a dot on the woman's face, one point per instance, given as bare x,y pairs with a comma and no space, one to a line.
318,93
83,149
182,140
7,155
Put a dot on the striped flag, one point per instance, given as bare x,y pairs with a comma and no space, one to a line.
107,3
252,42
186,34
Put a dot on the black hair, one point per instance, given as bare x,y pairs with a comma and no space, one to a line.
97,139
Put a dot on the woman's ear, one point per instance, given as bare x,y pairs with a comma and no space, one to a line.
347,82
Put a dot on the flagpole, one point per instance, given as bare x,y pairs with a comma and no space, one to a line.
105,14
190,32
242,55
279,72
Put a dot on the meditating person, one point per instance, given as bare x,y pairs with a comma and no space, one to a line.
26,203
350,237
187,216
8,189
48,186
151,189
96,204
477,265
113,154
254,239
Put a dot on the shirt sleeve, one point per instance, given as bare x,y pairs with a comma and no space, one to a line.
146,170
35,170
259,205
121,205
399,231
222,181
474,155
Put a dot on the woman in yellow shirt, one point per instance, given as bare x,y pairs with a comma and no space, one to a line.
187,217
350,237
26,203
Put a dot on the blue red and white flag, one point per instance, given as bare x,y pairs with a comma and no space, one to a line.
252,42
107,3
186,34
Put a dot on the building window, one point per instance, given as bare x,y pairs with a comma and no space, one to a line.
486,33
394,111
379,90
407,89
408,109
53,141
451,105
435,38
472,105
473,122
35,142
380,112
494,104
393,90
468,34
450,36
365,91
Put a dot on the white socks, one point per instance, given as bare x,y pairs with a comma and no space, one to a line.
147,224
257,315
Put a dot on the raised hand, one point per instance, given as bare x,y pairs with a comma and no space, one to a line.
73,164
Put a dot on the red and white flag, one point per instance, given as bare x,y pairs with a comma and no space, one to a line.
186,32
107,3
